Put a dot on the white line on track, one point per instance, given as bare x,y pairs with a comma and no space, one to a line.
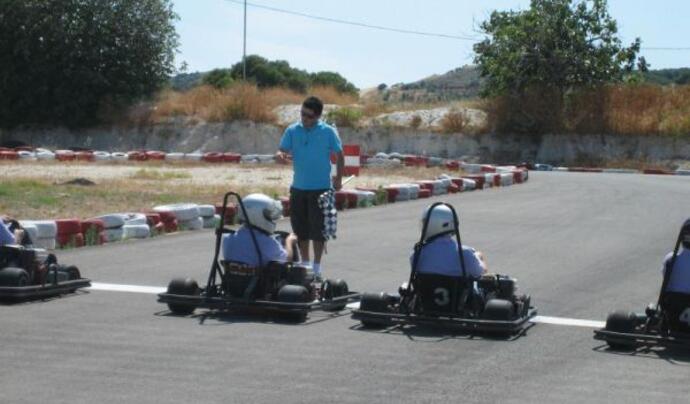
154,290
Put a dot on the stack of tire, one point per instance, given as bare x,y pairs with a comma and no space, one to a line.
136,226
41,232
186,214
231,212
93,231
209,216
155,223
112,227
69,233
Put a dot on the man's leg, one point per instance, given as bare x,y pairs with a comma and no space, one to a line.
304,249
318,251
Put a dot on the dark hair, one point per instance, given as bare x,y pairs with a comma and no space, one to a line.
314,104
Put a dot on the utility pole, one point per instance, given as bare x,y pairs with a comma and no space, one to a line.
244,45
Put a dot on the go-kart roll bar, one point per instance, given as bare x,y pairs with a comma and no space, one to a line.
215,266
422,242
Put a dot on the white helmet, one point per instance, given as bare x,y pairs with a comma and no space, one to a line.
262,211
440,221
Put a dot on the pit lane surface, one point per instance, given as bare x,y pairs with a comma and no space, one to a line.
580,244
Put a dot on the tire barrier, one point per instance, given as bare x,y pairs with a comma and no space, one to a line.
84,156
231,157
130,231
183,211
43,154
174,156
64,155
192,224
155,155
101,156
111,221
193,156
113,235
211,222
26,155
137,155
93,229
231,211
213,157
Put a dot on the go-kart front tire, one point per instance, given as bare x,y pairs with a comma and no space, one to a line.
186,287
13,277
376,303
622,322
295,294
332,289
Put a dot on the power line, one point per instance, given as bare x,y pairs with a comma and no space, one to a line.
358,24
407,31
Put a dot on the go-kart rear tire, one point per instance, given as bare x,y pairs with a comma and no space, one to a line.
377,303
332,289
295,294
72,272
13,277
623,322
186,287
498,310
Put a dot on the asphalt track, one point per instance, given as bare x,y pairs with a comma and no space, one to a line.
580,244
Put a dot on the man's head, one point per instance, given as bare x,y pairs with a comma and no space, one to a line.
262,212
311,111
441,221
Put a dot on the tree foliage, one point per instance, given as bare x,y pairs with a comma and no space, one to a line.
559,44
218,78
64,61
279,73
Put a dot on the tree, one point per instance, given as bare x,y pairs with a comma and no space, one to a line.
334,80
218,78
64,61
556,44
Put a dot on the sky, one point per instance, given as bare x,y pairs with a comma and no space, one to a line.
211,33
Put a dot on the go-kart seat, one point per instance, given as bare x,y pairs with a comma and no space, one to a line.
676,307
239,277
442,293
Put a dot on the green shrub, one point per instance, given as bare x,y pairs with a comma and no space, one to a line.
344,117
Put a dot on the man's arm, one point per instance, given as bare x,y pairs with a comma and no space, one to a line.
6,236
340,167
285,147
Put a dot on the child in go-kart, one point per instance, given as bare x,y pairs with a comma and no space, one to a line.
439,254
262,212
8,235
680,275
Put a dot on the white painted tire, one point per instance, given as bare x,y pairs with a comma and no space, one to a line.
434,161
135,231
47,243
506,179
468,184
266,158
174,156
249,158
101,156
112,221
182,211
365,198
193,156
119,156
134,219
45,155
44,228
489,180
381,155
112,235
32,231
211,222
206,210
192,224
682,172
26,155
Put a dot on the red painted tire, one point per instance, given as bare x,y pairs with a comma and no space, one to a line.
153,219
94,225
485,168
137,155
155,155
213,157
426,185
68,226
171,226
517,177
64,155
83,156
9,155
392,194
479,179
70,240
657,171
497,180
453,165
230,212
453,189
232,157
424,193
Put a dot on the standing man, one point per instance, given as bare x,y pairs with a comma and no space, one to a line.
311,142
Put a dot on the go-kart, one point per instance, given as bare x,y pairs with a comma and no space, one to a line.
664,323
31,273
283,288
451,302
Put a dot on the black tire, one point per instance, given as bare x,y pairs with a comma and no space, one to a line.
295,294
499,310
331,289
13,277
72,272
186,287
623,322
377,303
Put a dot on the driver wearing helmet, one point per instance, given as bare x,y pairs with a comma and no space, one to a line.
262,212
439,252
680,275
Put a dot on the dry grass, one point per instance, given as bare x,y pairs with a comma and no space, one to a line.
454,122
241,101
31,190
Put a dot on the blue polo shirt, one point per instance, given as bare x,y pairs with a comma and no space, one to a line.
441,257
311,154
6,236
680,276
239,247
